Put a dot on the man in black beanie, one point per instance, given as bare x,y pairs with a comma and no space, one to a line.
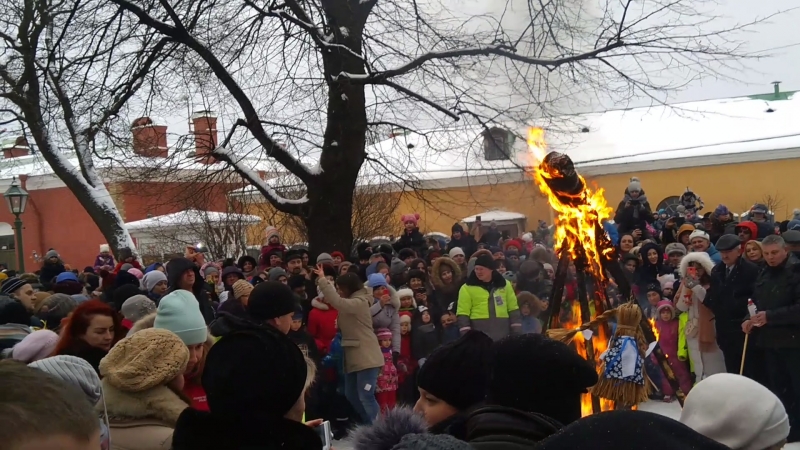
255,381
453,380
271,303
536,374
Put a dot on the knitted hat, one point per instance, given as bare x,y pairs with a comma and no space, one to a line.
137,307
629,430
634,185
241,288
55,308
152,278
793,225
736,411
398,266
383,333
405,318
667,281
458,372
675,247
260,372
271,231
665,304
405,292
39,298
271,299
123,293
292,255
721,210
456,251
410,218
418,275
376,279
699,234
209,270
104,248
52,254
136,272
146,359
35,346
486,261
180,313
324,258
66,276
276,273
75,371
406,253
11,285
339,254
654,287
125,267
554,374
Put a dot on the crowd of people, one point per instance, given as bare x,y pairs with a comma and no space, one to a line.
418,344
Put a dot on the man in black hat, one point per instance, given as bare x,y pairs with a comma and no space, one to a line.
462,240
271,303
792,238
732,283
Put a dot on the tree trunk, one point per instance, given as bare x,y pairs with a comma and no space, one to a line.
328,218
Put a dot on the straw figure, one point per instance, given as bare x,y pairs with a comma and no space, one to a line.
622,376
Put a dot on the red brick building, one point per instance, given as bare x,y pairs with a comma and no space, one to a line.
55,219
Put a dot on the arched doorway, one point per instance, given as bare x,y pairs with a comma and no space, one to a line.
670,205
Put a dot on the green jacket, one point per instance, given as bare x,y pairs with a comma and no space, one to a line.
488,307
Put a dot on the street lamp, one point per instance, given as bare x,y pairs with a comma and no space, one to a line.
17,200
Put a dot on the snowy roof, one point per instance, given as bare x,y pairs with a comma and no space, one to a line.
190,217
495,215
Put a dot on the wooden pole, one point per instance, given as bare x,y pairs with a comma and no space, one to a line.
554,309
586,316
744,353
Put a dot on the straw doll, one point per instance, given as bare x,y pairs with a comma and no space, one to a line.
622,376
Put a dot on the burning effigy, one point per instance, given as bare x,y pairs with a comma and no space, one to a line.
580,240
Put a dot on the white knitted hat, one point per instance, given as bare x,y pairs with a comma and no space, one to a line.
736,411
699,234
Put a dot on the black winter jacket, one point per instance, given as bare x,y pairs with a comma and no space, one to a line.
728,295
777,291
500,428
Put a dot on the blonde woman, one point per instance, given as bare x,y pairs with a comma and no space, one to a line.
753,253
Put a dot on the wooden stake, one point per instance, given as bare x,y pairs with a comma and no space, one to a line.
554,309
744,353
586,316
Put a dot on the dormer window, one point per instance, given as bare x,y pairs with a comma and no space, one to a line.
497,144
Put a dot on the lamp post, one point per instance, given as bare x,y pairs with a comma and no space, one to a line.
17,200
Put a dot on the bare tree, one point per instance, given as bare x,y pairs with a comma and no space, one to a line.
67,70
329,72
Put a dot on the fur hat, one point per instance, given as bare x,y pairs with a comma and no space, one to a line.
146,359
258,371
410,218
736,411
667,281
555,376
405,292
675,247
104,248
701,258
527,237
634,185
405,318
458,372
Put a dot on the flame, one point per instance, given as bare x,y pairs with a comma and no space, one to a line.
577,224
653,326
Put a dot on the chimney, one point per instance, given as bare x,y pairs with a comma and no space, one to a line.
149,140
397,132
19,148
205,135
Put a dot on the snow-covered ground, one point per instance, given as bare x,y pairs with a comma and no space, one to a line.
672,410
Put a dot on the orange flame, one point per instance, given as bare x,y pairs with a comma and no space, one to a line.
653,326
577,226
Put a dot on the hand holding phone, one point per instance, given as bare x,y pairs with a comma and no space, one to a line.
691,272
325,434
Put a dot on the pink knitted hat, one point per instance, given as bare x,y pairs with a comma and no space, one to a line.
383,333
410,218
136,272
35,346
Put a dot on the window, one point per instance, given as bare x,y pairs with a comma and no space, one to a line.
670,205
497,144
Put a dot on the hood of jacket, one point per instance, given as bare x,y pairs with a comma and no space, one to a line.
751,226
436,279
227,323
157,403
387,431
495,424
176,268
200,430
697,257
498,281
316,303
12,311
394,300
656,268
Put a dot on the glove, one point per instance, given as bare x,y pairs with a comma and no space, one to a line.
690,282
401,366
395,357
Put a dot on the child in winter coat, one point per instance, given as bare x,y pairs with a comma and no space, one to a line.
668,327
105,260
411,237
407,305
386,390
334,387
529,308
450,331
425,337
406,365
273,246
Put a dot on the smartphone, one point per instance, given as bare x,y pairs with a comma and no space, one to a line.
325,434
478,219
691,271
